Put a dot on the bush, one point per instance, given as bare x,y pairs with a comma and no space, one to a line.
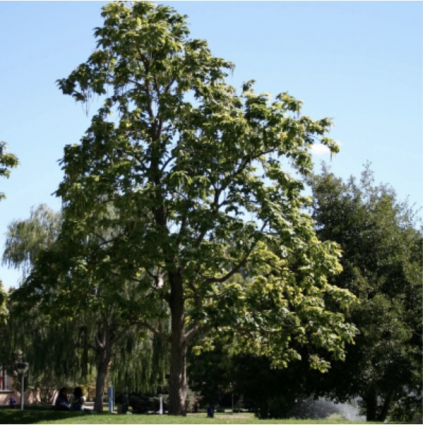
408,409
192,400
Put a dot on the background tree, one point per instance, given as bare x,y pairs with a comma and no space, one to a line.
26,239
382,266
193,171
7,161
65,361
84,323
141,364
210,374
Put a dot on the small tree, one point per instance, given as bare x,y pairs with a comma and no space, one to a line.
193,170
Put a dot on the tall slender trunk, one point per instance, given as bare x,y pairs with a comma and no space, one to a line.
371,405
177,384
104,352
386,406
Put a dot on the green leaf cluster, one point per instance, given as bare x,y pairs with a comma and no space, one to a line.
7,161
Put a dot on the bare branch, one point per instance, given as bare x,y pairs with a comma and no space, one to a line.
167,162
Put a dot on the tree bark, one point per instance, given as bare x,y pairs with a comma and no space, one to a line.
371,405
104,352
386,406
177,384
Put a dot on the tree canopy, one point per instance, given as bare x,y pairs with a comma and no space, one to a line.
382,266
179,184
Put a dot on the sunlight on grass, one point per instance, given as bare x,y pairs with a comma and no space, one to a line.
52,417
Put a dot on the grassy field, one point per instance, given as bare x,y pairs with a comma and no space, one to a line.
9,416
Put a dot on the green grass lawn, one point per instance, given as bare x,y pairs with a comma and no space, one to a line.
38,416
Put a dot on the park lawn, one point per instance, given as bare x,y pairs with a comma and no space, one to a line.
53,417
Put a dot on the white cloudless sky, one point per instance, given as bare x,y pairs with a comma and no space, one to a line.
357,62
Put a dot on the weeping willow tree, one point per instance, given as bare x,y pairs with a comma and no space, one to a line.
141,364
57,351
98,343
71,301
26,239
65,352
49,348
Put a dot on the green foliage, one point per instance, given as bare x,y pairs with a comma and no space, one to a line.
26,239
382,266
197,186
63,361
272,393
7,161
73,320
140,362
183,190
407,409
3,305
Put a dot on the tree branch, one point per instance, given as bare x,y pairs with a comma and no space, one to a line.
195,330
238,267
157,332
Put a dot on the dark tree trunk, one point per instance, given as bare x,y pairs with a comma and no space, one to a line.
104,352
386,406
371,405
177,387
177,384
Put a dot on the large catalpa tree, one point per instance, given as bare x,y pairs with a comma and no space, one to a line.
193,170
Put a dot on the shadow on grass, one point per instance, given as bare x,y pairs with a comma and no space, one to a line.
34,414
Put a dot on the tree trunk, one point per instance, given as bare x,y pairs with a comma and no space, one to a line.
386,406
177,384
177,387
104,352
371,405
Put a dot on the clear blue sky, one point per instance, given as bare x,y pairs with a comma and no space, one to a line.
357,62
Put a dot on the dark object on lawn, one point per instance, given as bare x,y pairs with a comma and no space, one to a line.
61,402
210,411
79,399
12,402
144,404
121,400
122,408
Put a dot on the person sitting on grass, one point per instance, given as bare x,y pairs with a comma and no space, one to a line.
61,402
78,400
